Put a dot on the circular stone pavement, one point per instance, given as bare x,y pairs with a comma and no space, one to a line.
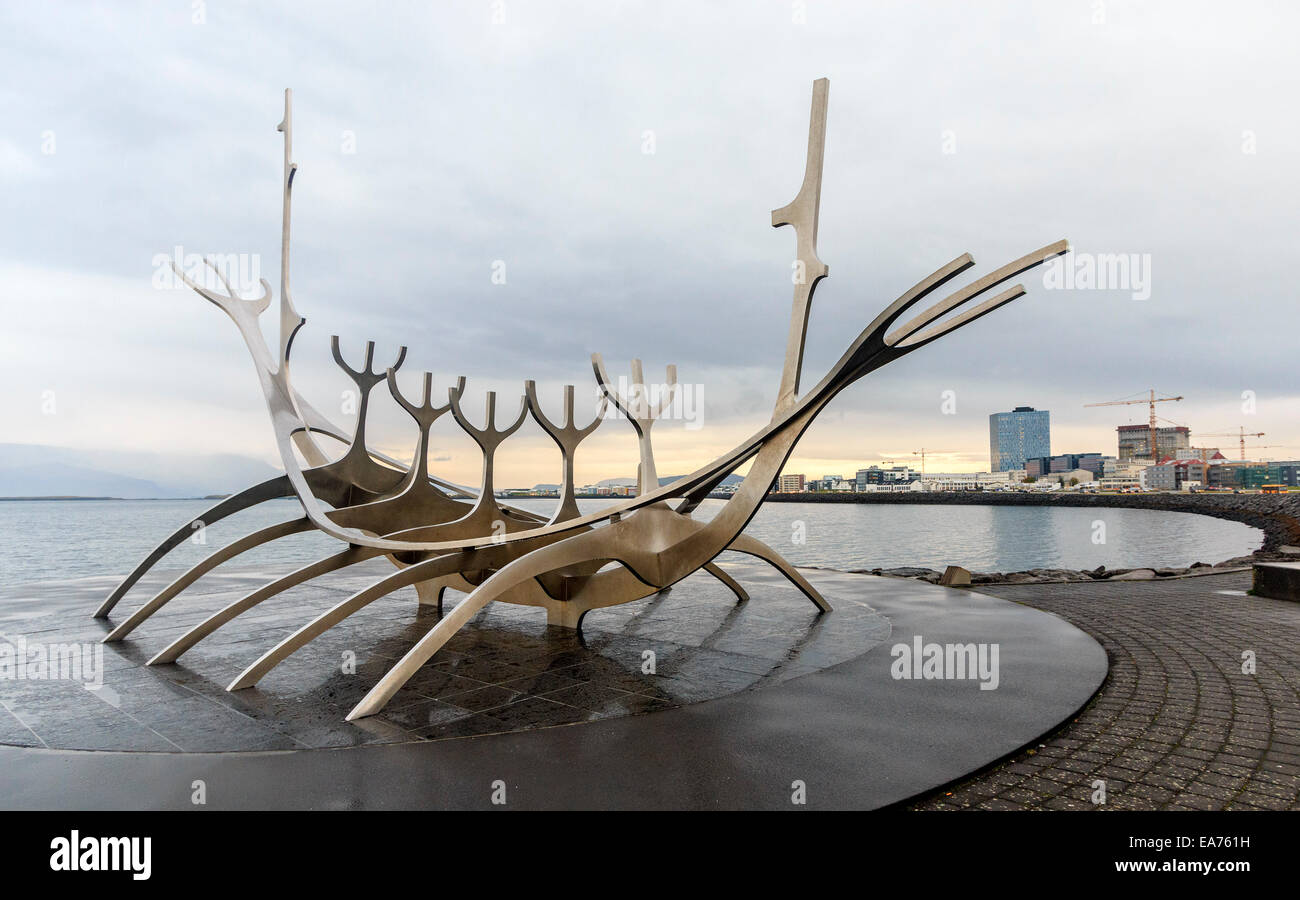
507,671
852,734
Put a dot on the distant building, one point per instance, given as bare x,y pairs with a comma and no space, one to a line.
1159,478
1251,476
838,483
874,477
1017,436
1287,473
792,484
829,483
1065,476
1067,462
1129,478
1039,466
1110,465
1204,454
1181,475
971,481
1135,442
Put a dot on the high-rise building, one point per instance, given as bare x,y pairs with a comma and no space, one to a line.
1023,433
1135,442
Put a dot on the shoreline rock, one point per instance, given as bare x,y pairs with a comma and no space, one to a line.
1277,515
1060,576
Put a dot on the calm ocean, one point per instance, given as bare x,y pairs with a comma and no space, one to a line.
44,540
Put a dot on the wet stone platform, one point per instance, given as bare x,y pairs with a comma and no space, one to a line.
506,671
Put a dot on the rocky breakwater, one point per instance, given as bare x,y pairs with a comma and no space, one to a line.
1277,515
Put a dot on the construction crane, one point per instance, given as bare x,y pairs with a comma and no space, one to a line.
1152,400
924,450
1241,434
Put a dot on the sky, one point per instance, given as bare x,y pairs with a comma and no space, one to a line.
507,188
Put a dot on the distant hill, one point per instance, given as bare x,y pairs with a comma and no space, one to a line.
60,480
36,470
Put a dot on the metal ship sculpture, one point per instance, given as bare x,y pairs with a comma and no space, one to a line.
439,535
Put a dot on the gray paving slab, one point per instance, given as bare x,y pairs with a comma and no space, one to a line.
704,645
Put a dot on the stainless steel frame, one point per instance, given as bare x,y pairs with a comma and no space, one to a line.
440,535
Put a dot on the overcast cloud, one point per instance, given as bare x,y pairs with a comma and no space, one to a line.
1167,129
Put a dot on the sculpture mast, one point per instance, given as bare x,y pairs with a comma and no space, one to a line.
802,213
290,320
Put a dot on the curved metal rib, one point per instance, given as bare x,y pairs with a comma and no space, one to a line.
754,547
613,587
934,332
378,696
247,602
971,291
732,584
540,561
423,571
426,570
258,493
210,562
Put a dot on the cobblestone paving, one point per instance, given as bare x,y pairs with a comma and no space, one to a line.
1177,724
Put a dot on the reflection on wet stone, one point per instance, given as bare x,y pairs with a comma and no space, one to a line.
507,671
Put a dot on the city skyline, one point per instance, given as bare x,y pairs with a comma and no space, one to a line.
1228,448
604,456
